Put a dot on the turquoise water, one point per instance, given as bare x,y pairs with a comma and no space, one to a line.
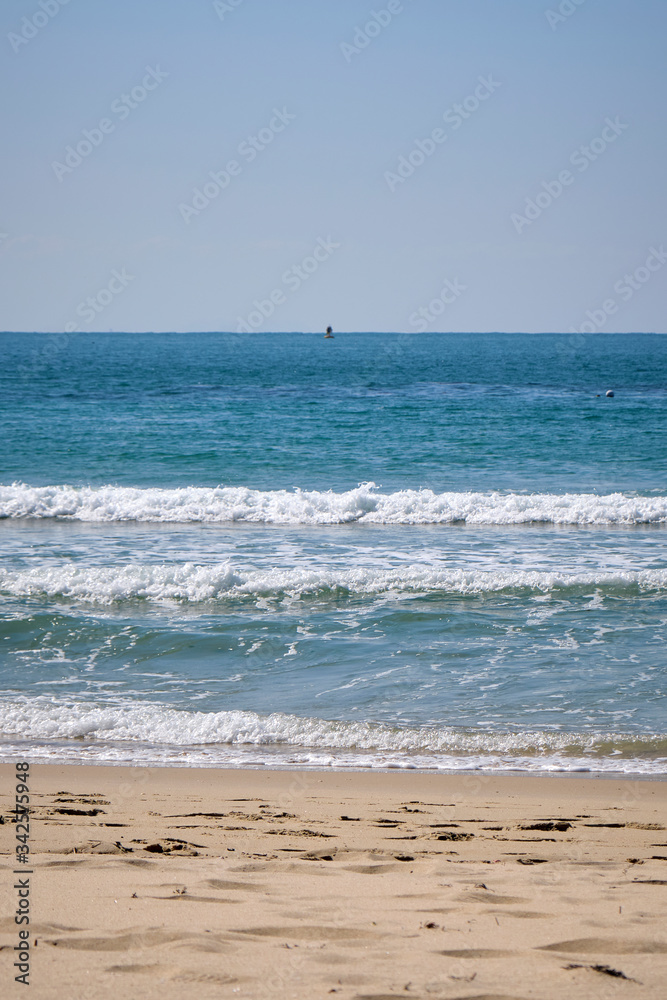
382,550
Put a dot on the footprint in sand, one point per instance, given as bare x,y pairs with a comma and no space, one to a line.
8,924
606,946
371,869
128,940
489,897
175,974
489,996
217,883
379,996
63,864
250,867
397,996
475,953
306,933
185,897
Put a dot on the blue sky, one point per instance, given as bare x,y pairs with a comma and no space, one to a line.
319,226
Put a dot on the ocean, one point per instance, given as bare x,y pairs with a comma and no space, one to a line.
434,551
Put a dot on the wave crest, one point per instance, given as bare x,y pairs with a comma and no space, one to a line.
195,583
161,734
363,504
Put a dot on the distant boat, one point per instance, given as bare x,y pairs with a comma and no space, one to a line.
329,334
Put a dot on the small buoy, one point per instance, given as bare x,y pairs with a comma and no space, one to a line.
609,394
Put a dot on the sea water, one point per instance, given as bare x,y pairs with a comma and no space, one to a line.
433,551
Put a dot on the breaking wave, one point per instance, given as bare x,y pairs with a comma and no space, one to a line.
159,734
189,582
364,505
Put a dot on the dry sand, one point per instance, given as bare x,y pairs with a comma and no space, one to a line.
246,883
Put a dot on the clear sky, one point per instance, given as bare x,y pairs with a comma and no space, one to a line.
372,160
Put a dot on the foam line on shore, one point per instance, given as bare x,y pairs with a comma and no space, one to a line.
161,733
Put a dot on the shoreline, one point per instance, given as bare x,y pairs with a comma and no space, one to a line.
6,760
254,882
331,776
279,757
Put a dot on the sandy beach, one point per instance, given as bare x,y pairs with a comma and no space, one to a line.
247,883
333,501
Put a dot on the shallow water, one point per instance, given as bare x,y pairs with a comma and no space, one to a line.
191,570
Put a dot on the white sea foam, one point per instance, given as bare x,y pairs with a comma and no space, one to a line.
195,583
151,732
364,504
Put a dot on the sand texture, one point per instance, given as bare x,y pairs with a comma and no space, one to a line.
170,883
